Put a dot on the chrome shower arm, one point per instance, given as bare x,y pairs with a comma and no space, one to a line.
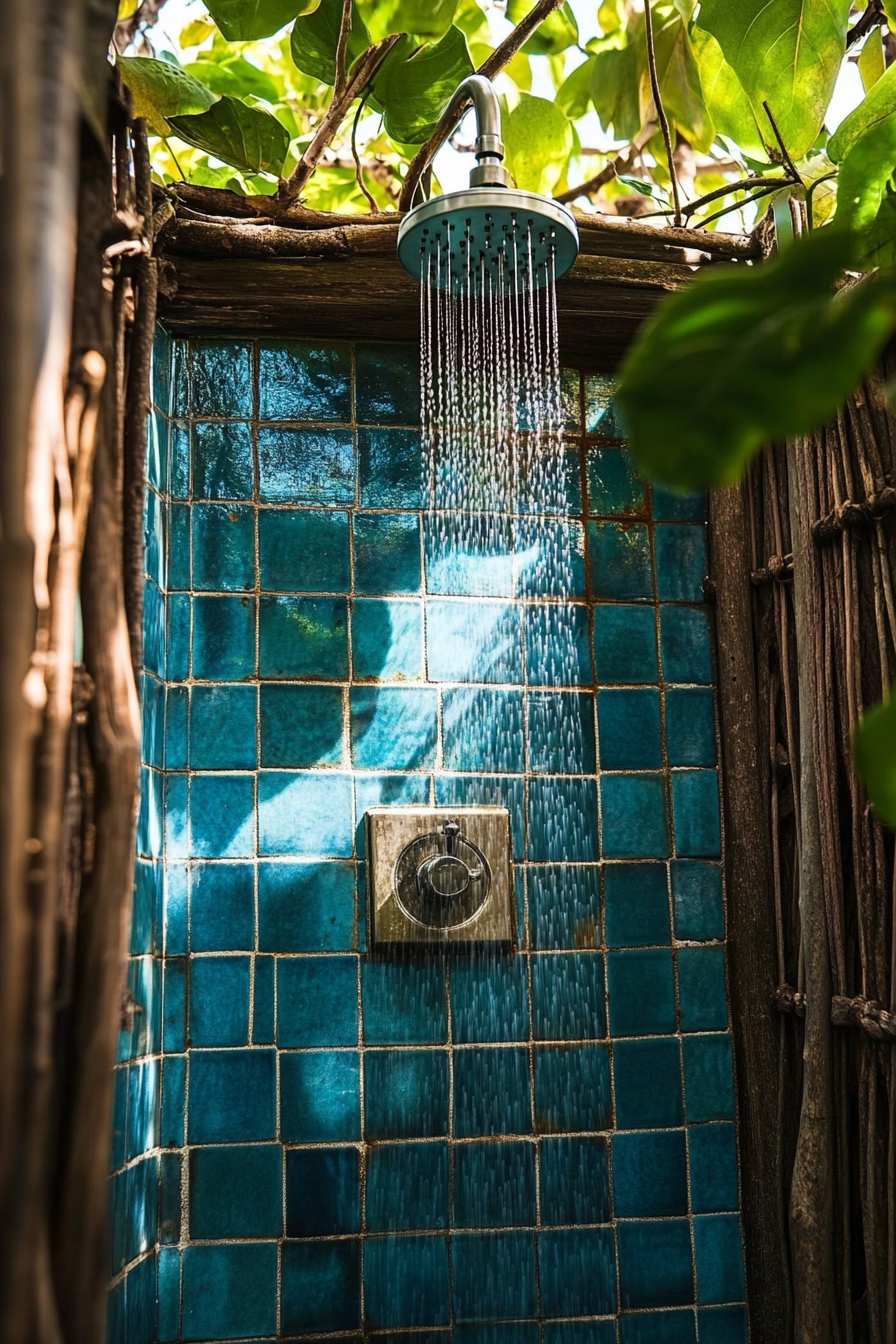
489,150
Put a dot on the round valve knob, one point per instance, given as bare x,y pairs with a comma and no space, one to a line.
442,879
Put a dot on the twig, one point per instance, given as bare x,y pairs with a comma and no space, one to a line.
167,144
345,28
490,67
660,110
781,145
738,205
873,17
746,184
610,170
359,176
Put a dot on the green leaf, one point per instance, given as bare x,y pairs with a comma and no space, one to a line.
470,19
246,137
638,184
878,240
680,86
162,90
426,19
747,355
554,35
249,20
787,52
615,79
727,104
315,37
237,77
574,94
196,32
871,59
864,174
414,84
538,140
874,749
878,104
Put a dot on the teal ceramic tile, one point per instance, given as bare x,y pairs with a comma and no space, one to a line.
301,726
681,563
305,814
153,630
558,644
146,911
600,418
575,1181
473,641
494,1275
155,515
180,378
404,1003
219,1000
229,1291
223,547
551,483
670,506
657,1327
489,999
561,733
149,830
169,1298
563,820
303,637
518,1332
223,638
236,1192
320,1097
222,816
406,1281
697,900
179,635
405,1094
655,1267
614,486
222,907
488,791
299,380
222,728
713,1153
636,897
306,466
695,809
564,906
263,1013
221,381
387,553
494,1184
161,370
690,726
142,1131
701,989
320,1286
720,1259
572,1088
650,1178
685,644
304,550
483,730
491,1092
306,907
647,1076
174,1017
568,996
619,561
723,1325
708,1081
549,556
317,1001
119,1118
394,728
176,719
170,1198
233,1097
387,639
391,469
468,554
629,729
387,384
180,472
633,810
578,1271
407,1186
223,460
642,992
625,644
323,1197
177,816
176,914
580,1332
141,1302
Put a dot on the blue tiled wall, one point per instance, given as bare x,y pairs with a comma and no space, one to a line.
497,1150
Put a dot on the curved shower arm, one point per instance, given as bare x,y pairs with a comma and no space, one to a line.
489,150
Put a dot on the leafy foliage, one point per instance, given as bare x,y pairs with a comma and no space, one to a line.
248,137
247,20
414,83
162,90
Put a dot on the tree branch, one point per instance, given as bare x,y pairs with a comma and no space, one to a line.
143,17
873,17
660,110
791,166
359,176
746,184
623,160
490,67
345,28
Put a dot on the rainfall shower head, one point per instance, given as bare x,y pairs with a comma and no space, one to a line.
491,236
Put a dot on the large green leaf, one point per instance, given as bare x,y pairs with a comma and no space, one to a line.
162,90
615,80
246,137
864,174
878,240
553,35
426,19
727,104
871,60
316,36
538,139
746,355
574,94
249,20
878,104
236,76
874,748
413,84
787,52
680,85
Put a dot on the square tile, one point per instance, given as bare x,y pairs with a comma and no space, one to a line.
695,810
561,733
174,1017
306,814
681,563
304,550
690,726
219,1000
647,1074
222,907
671,506
636,899
387,552
176,734
575,1181
620,561
229,1292
549,555
161,370
180,470
263,1025
568,996
482,730
233,1096
179,613
634,817
301,725
317,1001
387,639
322,1192
405,1094
404,1003
222,728
320,1286
407,1186
391,469
658,1327
642,992
629,729
301,380
468,554
153,630
223,460
517,1332
650,1176
180,378
320,1097
306,466
222,816
175,929
223,547
494,1275
723,1325
489,999
713,1150
572,1089
685,644
394,728
708,1082
580,1332
221,382
491,1092
473,641
169,1200
563,820
236,1192
406,1281
223,638
697,900
304,637
489,791
564,906
578,1271
625,644
558,644
600,415
306,907
494,1185
614,486
387,384
701,989
550,483
720,1259
655,1263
